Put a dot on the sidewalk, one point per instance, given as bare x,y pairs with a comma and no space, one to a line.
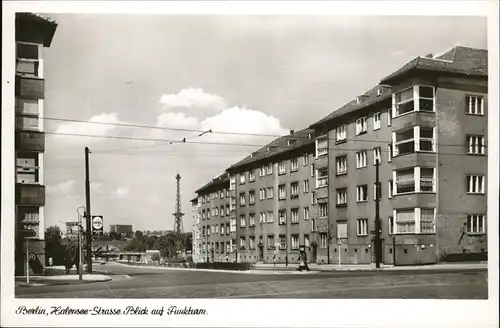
371,267
56,276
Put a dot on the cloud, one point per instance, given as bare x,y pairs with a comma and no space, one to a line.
192,97
86,128
177,120
121,192
62,188
397,53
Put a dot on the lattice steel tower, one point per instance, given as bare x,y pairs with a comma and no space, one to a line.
178,227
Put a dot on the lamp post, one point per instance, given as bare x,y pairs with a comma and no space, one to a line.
80,228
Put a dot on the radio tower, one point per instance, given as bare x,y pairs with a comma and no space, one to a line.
178,228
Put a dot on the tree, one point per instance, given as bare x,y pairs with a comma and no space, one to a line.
139,234
114,236
54,245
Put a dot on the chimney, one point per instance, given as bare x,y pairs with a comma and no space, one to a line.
429,56
291,132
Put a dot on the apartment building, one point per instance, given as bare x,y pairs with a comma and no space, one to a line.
214,243
273,204
426,124
33,34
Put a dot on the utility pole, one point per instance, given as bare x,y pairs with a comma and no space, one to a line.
377,215
88,216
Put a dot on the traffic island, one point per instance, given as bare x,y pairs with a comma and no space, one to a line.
37,281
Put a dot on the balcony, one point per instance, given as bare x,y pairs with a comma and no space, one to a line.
421,159
30,141
412,200
421,118
30,194
321,162
32,88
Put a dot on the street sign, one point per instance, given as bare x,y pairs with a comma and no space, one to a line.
97,224
32,257
339,242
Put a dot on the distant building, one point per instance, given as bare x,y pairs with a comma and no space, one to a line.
124,230
33,34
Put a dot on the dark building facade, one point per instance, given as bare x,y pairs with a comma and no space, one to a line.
124,230
427,126
33,34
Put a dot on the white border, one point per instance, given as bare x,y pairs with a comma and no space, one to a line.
307,313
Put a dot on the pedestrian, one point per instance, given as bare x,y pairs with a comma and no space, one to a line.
227,258
274,259
51,261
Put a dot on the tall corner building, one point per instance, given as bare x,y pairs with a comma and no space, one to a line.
427,125
33,34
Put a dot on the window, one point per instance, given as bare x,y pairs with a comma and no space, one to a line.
262,171
242,221
222,229
474,105
233,224
376,121
222,192
27,106
28,214
405,181
26,50
227,193
377,191
270,242
321,146
27,168
476,144
475,184
228,229
341,162
361,159
270,192
389,153
313,225
362,193
282,216
227,210
282,241
252,242
391,225
251,176
323,240
270,217
295,241
242,199
427,179
427,220
377,156
313,170
294,213
341,133
404,102
228,247
322,178
307,242
313,198
269,168
426,142
282,192
294,189
262,217
294,164
242,242
323,210
476,223
242,178
306,213
362,227
217,229
232,183
426,98
389,117
262,193
405,221
306,186
361,125
282,167
27,67
389,188
27,123
341,196
251,197
251,219
208,230
305,159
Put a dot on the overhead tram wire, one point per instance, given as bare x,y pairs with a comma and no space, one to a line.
202,132
228,143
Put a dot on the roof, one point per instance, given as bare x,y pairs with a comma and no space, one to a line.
459,60
32,27
276,147
48,20
224,177
369,98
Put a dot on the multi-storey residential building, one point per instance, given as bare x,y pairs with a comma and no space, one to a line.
427,125
33,33
196,239
213,207
273,208
124,230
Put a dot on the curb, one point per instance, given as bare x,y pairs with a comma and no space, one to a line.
60,283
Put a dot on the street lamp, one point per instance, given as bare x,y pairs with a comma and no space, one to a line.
80,228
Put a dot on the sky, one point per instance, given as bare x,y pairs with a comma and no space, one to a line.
246,74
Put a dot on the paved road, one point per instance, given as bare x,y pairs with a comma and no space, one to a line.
156,283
